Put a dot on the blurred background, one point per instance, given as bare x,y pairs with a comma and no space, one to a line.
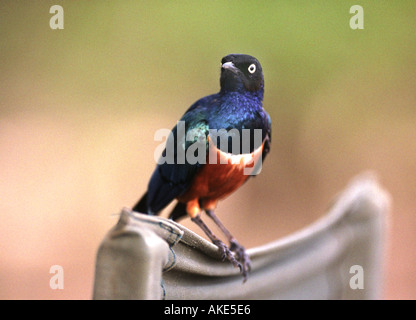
79,108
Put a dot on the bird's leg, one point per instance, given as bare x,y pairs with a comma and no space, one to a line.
226,252
234,245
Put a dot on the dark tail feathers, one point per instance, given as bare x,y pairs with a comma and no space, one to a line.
178,212
141,205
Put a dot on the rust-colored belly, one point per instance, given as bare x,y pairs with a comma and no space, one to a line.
218,178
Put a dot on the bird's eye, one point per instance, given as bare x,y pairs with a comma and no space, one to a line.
252,68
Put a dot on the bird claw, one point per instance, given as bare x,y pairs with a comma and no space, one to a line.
243,257
227,254
242,262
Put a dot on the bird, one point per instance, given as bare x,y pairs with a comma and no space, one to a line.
209,128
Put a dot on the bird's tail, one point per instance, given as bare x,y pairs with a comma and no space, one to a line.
178,212
141,205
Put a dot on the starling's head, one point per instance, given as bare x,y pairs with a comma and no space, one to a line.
241,72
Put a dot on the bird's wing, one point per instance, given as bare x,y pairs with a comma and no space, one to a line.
268,138
173,177
266,142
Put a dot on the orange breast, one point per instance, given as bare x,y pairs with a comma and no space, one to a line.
221,175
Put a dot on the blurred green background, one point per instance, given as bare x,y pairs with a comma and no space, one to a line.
79,108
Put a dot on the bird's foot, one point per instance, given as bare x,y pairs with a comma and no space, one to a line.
243,257
226,253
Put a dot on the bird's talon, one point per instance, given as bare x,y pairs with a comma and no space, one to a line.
242,261
242,257
240,267
227,254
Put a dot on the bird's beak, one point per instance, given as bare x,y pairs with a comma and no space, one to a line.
229,65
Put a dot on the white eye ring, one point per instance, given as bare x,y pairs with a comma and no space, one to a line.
252,68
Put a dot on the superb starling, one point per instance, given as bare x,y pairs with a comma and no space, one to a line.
235,111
